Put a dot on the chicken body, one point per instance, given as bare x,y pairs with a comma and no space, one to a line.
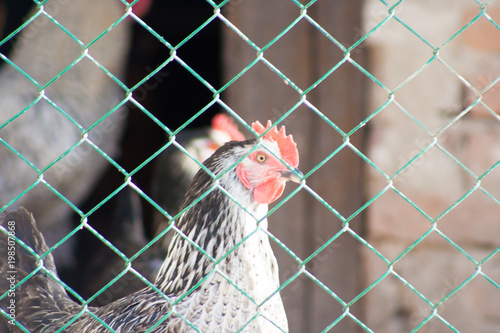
220,273
52,98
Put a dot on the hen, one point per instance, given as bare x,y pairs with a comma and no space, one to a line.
54,94
220,274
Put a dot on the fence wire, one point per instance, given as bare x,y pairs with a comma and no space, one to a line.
84,132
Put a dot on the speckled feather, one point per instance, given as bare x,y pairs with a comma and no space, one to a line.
216,224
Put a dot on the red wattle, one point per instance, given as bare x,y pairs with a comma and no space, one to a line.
269,191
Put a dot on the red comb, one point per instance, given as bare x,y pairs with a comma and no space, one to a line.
141,8
223,123
286,145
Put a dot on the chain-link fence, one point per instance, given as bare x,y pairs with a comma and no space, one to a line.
393,230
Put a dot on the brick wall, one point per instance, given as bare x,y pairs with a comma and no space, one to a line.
425,115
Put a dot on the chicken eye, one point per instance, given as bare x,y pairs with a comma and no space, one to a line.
261,158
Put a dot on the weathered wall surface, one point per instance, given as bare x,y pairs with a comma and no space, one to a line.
450,193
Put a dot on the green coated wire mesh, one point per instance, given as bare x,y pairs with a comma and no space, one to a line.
388,26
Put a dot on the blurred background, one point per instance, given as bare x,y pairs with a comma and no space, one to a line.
394,108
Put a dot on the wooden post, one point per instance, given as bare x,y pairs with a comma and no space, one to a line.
304,55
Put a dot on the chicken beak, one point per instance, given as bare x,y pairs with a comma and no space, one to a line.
295,175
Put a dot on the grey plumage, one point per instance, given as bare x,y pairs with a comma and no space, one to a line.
42,132
205,279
